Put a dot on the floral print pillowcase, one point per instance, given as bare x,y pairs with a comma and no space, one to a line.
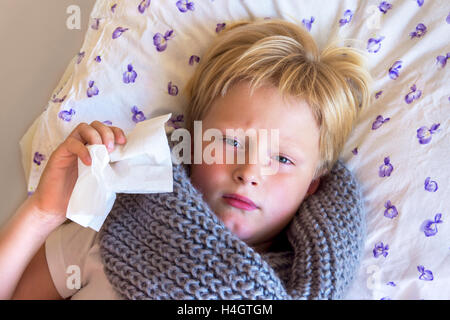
138,55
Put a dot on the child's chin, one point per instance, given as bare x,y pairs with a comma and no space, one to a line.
236,223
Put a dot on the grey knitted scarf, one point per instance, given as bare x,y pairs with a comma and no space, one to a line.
172,246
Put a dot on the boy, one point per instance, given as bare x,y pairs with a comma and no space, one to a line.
261,75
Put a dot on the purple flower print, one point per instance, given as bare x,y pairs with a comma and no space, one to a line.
38,157
160,41
378,94
355,151
420,2
96,23
194,59
92,90
421,29
374,44
448,18
386,298
424,134
185,5
442,60
130,75
391,283
80,57
174,119
393,71
308,23
113,7
58,100
391,211
429,227
118,32
107,122
172,89
425,275
385,170
98,59
144,5
414,94
220,27
380,250
348,15
138,115
379,122
66,115
430,185
384,7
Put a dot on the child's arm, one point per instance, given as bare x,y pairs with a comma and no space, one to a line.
22,238
36,282
44,211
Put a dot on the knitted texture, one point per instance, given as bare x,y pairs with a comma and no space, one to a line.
172,246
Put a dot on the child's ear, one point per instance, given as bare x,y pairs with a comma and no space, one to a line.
313,187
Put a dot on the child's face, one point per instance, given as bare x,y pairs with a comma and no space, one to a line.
277,196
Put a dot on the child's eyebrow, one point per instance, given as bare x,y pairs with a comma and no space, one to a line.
294,147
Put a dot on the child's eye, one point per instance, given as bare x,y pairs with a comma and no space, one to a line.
284,160
231,141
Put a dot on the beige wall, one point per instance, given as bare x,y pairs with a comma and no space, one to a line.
36,47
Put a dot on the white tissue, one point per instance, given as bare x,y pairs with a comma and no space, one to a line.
142,165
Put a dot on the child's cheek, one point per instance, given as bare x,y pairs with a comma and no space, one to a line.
206,177
282,201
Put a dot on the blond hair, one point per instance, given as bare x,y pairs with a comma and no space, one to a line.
334,82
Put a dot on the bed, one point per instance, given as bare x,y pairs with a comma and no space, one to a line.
138,55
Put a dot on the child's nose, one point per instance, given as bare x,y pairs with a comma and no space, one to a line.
247,174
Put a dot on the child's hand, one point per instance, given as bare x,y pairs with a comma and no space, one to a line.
56,184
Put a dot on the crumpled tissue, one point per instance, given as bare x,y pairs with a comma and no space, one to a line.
142,165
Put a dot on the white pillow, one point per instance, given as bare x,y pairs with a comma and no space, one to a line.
399,149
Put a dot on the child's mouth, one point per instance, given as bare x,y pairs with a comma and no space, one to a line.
235,201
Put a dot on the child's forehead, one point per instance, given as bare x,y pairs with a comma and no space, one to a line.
292,120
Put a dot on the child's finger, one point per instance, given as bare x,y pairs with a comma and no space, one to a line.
119,135
106,133
86,134
77,147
